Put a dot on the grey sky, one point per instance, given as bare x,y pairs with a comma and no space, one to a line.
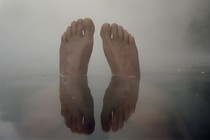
30,30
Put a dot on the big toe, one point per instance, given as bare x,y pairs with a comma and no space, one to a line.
89,124
106,117
106,31
89,27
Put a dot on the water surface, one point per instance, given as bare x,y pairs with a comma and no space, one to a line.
173,105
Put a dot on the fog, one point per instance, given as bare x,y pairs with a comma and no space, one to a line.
168,33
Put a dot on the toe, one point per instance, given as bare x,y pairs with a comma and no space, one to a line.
114,122
88,26
80,27
69,122
74,128
74,28
120,120
114,31
106,31
127,113
121,32
126,36
131,40
89,124
64,37
106,118
69,33
79,124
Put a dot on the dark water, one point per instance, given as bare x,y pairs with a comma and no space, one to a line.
169,105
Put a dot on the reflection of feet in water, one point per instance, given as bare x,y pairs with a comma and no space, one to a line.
76,47
77,104
119,102
76,100
120,50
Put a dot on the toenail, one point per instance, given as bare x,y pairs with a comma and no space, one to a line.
80,20
74,23
114,24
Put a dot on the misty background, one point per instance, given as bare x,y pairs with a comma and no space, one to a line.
168,33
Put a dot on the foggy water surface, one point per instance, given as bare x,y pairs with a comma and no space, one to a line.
173,43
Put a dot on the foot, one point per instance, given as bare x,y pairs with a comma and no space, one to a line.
120,50
77,104
76,47
119,102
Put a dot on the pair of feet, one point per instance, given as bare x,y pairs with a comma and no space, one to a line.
122,55
77,44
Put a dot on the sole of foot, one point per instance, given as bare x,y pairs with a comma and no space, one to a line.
120,50
76,47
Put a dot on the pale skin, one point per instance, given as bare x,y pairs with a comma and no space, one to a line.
75,52
77,44
76,47
120,50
